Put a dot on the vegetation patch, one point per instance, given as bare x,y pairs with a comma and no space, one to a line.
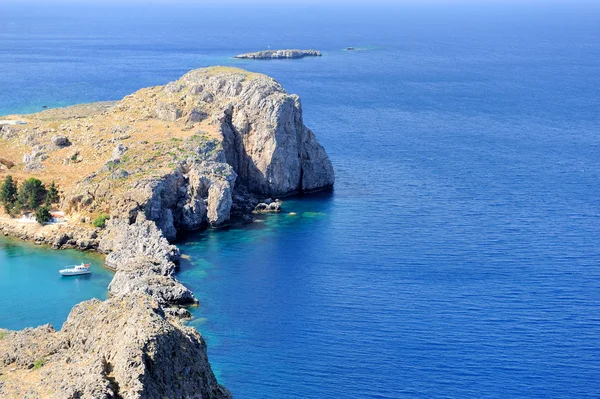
100,221
29,196
39,363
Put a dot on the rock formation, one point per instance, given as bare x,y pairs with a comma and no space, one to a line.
279,54
124,347
188,155
144,261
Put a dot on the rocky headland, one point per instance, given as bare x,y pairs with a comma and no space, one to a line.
211,148
279,54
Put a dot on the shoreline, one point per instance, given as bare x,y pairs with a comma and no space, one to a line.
56,236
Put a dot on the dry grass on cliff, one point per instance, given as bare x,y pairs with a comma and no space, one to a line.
94,130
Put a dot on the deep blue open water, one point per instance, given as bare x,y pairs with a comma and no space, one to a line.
459,254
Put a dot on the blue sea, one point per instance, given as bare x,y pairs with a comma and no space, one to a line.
458,255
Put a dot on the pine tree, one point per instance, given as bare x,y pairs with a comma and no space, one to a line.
42,215
31,193
8,193
52,196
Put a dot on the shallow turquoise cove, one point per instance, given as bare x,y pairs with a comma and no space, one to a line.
32,292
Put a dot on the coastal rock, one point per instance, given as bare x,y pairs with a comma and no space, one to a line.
263,134
195,194
228,128
57,236
279,54
144,262
149,276
124,347
123,241
219,203
268,206
317,170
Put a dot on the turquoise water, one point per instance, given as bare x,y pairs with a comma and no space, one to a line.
32,292
459,254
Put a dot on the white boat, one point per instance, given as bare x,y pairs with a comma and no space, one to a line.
78,270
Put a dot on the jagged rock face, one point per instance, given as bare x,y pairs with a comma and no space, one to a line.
144,262
123,241
263,134
120,348
147,275
195,195
219,203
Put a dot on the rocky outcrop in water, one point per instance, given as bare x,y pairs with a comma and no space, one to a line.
124,347
123,241
177,153
144,261
279,54
268,206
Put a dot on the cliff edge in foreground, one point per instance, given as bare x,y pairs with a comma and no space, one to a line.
120,348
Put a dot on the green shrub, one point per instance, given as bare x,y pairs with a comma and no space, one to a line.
111,165
100,221
39,363
2,335
42,215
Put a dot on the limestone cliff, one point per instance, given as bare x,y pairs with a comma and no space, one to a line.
124,347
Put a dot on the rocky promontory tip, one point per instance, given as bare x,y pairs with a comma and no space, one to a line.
279,54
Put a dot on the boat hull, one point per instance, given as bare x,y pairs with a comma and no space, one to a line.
68,273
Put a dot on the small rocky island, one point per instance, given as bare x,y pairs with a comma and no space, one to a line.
279,54
209,149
